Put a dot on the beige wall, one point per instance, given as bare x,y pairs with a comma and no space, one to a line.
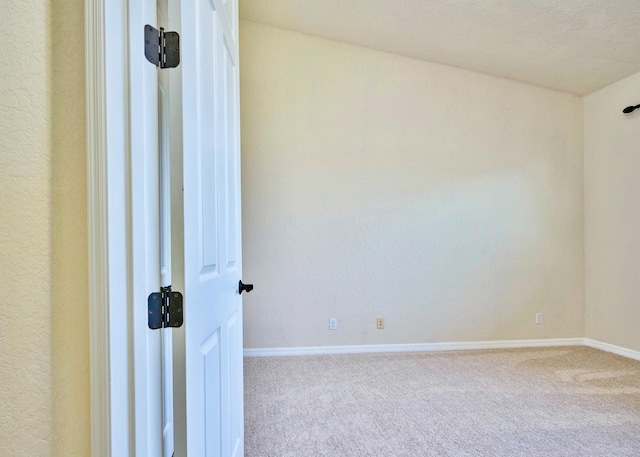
44,364
446,201
25,224
612,214
69,298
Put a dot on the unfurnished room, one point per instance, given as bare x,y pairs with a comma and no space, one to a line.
486,210
300,228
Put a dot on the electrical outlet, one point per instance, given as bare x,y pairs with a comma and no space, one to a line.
333,323
380,323
538,318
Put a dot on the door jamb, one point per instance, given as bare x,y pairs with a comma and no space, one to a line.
109,227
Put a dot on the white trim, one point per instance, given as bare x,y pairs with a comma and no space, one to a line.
97,229
619,350
420,347
108,197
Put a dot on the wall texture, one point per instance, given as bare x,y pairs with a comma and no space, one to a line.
44,394
612,214
448,202
69,275
25,224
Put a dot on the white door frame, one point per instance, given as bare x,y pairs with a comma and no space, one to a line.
120,417
111,224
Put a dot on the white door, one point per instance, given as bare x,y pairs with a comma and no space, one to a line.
211,231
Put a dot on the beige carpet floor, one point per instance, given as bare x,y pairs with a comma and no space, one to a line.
570,401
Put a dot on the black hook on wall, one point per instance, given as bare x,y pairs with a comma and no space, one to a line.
629,109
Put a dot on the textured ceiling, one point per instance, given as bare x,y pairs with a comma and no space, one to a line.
576,46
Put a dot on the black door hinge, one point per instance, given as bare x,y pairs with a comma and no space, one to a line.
165,309
161,48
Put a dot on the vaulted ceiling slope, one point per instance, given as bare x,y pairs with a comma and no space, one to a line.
575,46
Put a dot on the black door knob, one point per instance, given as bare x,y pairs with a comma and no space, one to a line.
244,287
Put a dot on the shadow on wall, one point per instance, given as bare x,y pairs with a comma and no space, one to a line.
69,276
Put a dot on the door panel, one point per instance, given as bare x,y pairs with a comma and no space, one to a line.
234,394
211,357
211,229
232,203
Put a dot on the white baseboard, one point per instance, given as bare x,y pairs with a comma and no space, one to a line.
619,350
420,347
